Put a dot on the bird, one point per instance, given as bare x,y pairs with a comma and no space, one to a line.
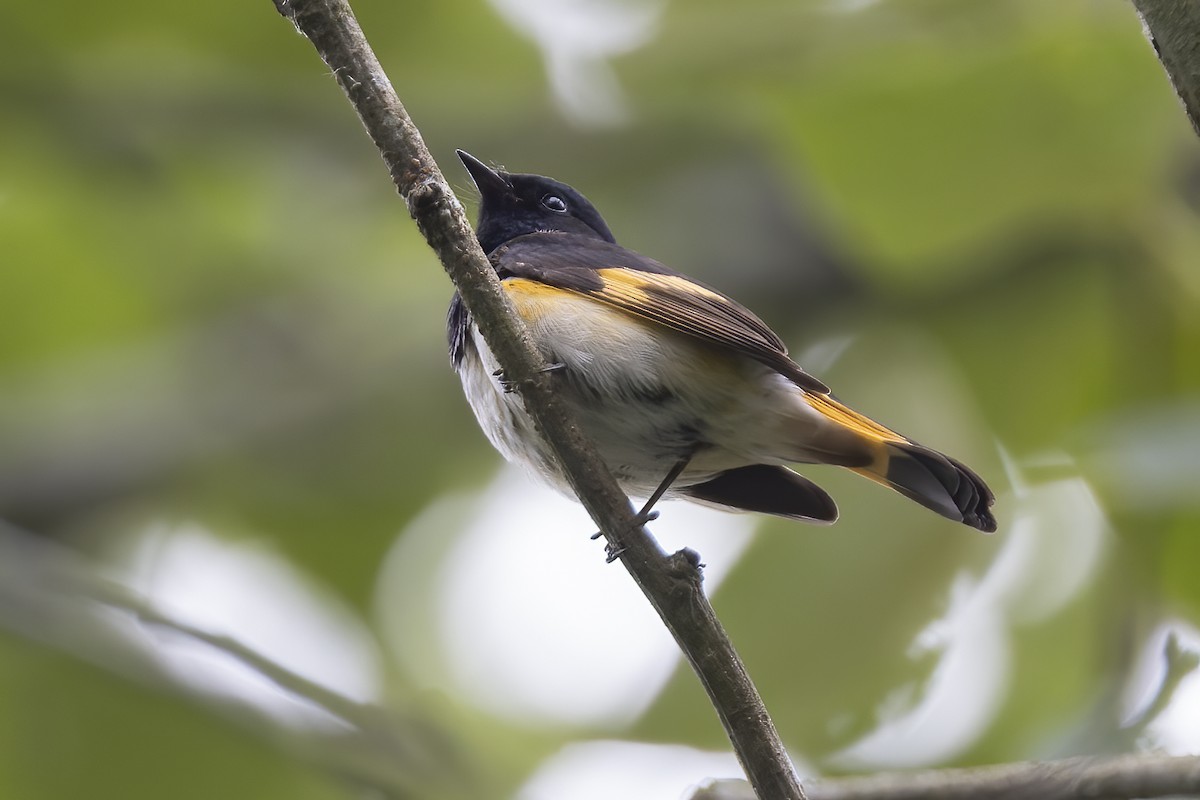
685,393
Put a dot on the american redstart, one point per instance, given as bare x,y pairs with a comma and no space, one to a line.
684,392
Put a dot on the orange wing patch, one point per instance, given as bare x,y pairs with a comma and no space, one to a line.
676,283
530,297
646,290
530,289
686,306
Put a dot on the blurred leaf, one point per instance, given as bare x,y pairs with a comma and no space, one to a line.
976,221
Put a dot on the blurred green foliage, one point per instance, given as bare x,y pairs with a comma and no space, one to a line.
213,307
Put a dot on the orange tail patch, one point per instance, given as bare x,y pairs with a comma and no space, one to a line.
849,418
932,479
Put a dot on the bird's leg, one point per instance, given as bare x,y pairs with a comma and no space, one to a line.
511,386
648,514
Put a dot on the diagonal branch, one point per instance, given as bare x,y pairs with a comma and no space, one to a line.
671,583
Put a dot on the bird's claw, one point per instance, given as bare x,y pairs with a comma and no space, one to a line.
612,551
511,386
639,519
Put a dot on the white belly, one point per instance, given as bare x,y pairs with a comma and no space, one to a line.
645,395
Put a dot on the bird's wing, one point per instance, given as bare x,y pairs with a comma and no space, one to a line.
643,287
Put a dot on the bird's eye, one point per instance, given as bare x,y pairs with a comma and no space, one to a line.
554,203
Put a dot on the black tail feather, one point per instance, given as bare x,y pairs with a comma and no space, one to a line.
941,484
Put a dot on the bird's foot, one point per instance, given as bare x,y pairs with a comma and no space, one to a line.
614,551
511,386
639,519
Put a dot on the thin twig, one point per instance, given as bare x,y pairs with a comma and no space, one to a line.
671,583
350,712
1067,779
57,597
396,754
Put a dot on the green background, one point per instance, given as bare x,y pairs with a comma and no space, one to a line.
214,308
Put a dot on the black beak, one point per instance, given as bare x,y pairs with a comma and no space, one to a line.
487,180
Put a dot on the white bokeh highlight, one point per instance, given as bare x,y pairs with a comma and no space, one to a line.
526,619
577,38
1052,551
249,592
603,770
1176,730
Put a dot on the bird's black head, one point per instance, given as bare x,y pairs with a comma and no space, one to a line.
512,205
